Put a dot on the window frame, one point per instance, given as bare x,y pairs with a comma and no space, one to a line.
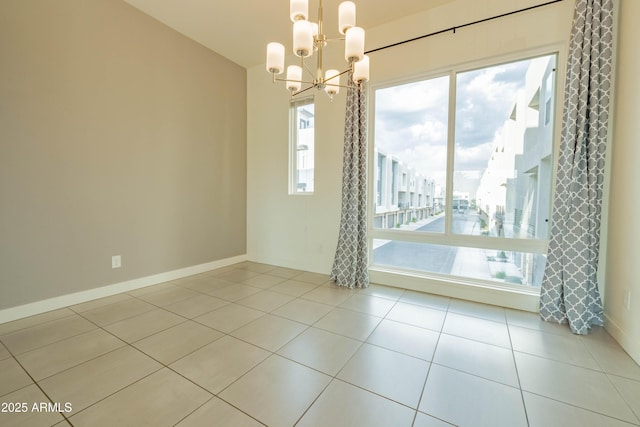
294,127
448,238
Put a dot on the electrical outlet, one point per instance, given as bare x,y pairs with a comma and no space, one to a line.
116,261
627,299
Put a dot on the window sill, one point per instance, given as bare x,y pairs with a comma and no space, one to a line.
527,299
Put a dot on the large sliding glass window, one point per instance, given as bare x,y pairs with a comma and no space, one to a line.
471,156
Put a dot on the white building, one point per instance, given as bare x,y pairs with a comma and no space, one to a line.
402,195
514,195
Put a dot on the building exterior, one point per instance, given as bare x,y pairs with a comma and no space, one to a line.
305,148
402,195
514,195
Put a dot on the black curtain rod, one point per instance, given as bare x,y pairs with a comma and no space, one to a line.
463,26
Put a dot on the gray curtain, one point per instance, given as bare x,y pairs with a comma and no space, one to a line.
350,265
569,288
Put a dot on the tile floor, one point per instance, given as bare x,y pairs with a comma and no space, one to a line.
254,344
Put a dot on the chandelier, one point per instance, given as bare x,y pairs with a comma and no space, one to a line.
309,38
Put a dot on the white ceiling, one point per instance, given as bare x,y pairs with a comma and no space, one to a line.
240,29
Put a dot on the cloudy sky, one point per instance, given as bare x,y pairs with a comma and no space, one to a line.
411,121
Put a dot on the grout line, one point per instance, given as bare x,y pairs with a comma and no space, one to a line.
37,384
515,364
300,297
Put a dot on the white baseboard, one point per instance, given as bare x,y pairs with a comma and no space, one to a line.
38,307
632,347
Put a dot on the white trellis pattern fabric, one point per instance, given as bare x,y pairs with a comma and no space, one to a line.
569,289
350,265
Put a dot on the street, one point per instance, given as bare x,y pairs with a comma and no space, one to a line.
426,256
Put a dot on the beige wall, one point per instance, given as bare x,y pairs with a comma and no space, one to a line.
622,268
117,136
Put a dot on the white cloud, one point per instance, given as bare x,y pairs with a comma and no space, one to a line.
472,158
411,120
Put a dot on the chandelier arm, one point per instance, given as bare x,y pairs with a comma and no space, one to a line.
337,75
296,81
301,91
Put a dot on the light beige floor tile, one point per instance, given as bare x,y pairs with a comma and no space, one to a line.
383,291
286,273
427,300
321,350
12,377
416,315
27,397
612,358
477,329
630,391
266,301
138,327
162,398
329,295
577,386
176,342
257,266
220,413
27,322
229,317
222,270
118,311
527,319
168,296
4,353
189,279
269,332
53,358
567,349
543,412
277,392
235,292
476,309
196,306
314,278
424,420
152,289
294,288
342,404
89,382
205,284
40,335
408,339
598,334
476,358
467,400
349,323
263,281
301,310
220,363
368,304
393,375
237,275
101,302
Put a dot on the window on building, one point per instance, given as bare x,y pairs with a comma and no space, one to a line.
301,147
548,96
380,168
483,150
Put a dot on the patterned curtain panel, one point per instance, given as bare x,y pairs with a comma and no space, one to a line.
570,289
350,265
